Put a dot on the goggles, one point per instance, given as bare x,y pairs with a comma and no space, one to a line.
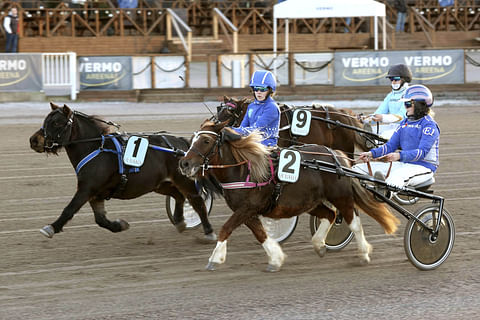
408,104
261,89
395,78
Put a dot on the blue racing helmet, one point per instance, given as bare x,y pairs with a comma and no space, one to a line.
418,92
263,78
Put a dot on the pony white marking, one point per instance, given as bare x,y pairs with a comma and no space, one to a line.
364,248
318,239
219,254
275,253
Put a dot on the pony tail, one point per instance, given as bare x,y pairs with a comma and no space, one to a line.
377,210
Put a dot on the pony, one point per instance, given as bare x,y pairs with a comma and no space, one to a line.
95,152
322,129
217,151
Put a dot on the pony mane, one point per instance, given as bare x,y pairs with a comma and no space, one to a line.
251,149
353,116
100,123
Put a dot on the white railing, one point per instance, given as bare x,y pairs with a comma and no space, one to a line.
59,73
173,18
222,22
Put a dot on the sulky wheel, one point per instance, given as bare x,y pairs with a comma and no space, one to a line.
279,229
192,220
423,249
339,235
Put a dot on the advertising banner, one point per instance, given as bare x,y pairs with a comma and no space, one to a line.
20,72
370,68
170,72
105,73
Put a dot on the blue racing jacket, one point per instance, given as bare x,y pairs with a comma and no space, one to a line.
263,116
392,104
418,140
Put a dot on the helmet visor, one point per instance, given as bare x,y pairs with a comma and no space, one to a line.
261,89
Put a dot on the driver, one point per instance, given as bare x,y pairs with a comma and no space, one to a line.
263,114
389,114
417,136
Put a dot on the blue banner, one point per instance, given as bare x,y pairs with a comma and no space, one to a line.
105,73
369,68
20,72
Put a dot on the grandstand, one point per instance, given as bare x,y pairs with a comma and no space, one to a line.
194,45
108,27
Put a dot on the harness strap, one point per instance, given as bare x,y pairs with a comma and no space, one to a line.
247,184
96,152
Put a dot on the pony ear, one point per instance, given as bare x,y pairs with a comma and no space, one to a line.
229,135
53,106
66,110
226,99
219,126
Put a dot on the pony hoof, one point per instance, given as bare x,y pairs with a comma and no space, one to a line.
321,251
364,261
124,225
211,237
181,226
47,231
272,268
211,266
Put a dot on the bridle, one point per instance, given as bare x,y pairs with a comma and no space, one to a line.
233,111
212,152
56,140
58,133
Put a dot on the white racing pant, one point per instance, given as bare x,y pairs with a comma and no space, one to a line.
401,174
386,130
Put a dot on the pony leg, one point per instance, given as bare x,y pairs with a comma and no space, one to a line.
219,254
327,217
178,219
68,212
198,205
364,248
98,207
275,254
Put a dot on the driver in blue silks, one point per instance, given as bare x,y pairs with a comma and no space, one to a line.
410,157
262,114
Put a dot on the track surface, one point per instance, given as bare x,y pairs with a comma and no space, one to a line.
153,272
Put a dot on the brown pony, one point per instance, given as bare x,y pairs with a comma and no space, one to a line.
222,154
99,177
322,130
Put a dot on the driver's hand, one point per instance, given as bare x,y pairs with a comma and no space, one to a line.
365,156
394,156
377,117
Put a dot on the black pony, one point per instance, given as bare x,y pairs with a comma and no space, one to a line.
96,154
